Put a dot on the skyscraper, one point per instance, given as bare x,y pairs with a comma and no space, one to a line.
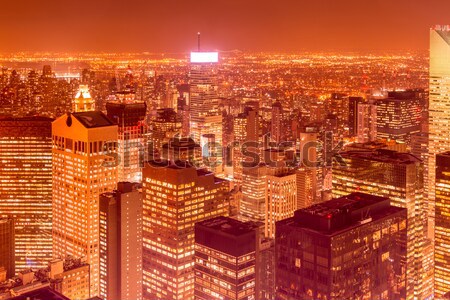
366,129
275,124
166,126
351,247
84,166
121,243
353,103
399,115
26,187
439,101
253,203
281,198
129,115
205,117
306,181
398,176
245,132
225,249
175,198
442,225
7,247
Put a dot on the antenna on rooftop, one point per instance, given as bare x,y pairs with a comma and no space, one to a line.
198,41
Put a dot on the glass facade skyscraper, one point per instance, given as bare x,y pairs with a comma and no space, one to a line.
26,187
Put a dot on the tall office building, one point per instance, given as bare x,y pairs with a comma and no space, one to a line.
419,148
339,108
353,103
26,187
121,243
306,181
311,156
275,124
129,115
265,269
83,100
281,198
239,138
205,117
439,103
366,129
399,115
225,249
166,126
84,166
245,132
442,226
175,198
253,202
398,176
351,247
7,247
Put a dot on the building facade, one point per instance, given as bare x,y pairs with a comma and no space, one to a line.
225,259
399,116
26,187
129,115
7,247
442,225
281,199
121,243
205,117
70,277
398,176
84,166
175,198
439,101
351,247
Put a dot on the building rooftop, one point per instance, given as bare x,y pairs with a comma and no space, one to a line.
93,119
227,235
444,32
45,293
382,155
228,226
181,142
333,216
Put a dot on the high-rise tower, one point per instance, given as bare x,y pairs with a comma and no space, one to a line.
205,118
398,176
129,114
351,247
84,166
439,104
175,198
7,260
26,187
442,228
121,243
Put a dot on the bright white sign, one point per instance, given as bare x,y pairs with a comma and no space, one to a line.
204,57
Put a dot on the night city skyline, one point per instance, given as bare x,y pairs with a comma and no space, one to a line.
224,150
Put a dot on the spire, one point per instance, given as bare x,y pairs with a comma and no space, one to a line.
198,41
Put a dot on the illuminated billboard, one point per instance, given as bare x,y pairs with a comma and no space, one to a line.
204,57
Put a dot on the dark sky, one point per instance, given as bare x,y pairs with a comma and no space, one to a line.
171,26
